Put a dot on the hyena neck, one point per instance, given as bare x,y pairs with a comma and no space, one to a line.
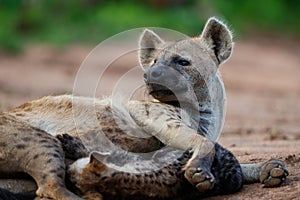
212,112
207,114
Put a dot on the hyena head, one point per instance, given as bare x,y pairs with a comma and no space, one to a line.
187,70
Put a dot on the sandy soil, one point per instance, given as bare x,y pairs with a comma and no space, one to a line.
262,81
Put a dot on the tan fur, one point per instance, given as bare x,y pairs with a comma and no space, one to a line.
139,126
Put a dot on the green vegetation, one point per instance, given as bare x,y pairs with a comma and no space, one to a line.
91,21
267,15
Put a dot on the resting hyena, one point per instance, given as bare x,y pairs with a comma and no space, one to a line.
183,77
172,72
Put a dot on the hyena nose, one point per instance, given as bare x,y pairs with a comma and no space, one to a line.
156,73
153,74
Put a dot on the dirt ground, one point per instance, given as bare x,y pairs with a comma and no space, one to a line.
262,81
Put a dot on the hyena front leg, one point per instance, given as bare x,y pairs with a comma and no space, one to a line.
164,122
270,173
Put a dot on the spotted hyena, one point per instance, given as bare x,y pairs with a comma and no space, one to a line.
174,70
187,115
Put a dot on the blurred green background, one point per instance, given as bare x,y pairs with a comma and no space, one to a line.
90,21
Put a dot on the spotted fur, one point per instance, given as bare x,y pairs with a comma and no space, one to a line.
191,119
26,149
138,178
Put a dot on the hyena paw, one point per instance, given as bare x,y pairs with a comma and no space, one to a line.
199,177
273,173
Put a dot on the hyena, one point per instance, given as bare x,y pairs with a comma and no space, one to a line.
188,115
172,71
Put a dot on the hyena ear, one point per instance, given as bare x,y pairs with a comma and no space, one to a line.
98,159
149,44
219,38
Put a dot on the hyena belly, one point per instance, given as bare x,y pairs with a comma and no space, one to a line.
26,149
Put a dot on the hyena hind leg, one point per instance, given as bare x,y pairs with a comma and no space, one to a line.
32,151
271,173
50,179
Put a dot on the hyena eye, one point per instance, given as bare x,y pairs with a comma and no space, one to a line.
183,62
154,61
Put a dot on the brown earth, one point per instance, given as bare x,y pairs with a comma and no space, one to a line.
262,81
